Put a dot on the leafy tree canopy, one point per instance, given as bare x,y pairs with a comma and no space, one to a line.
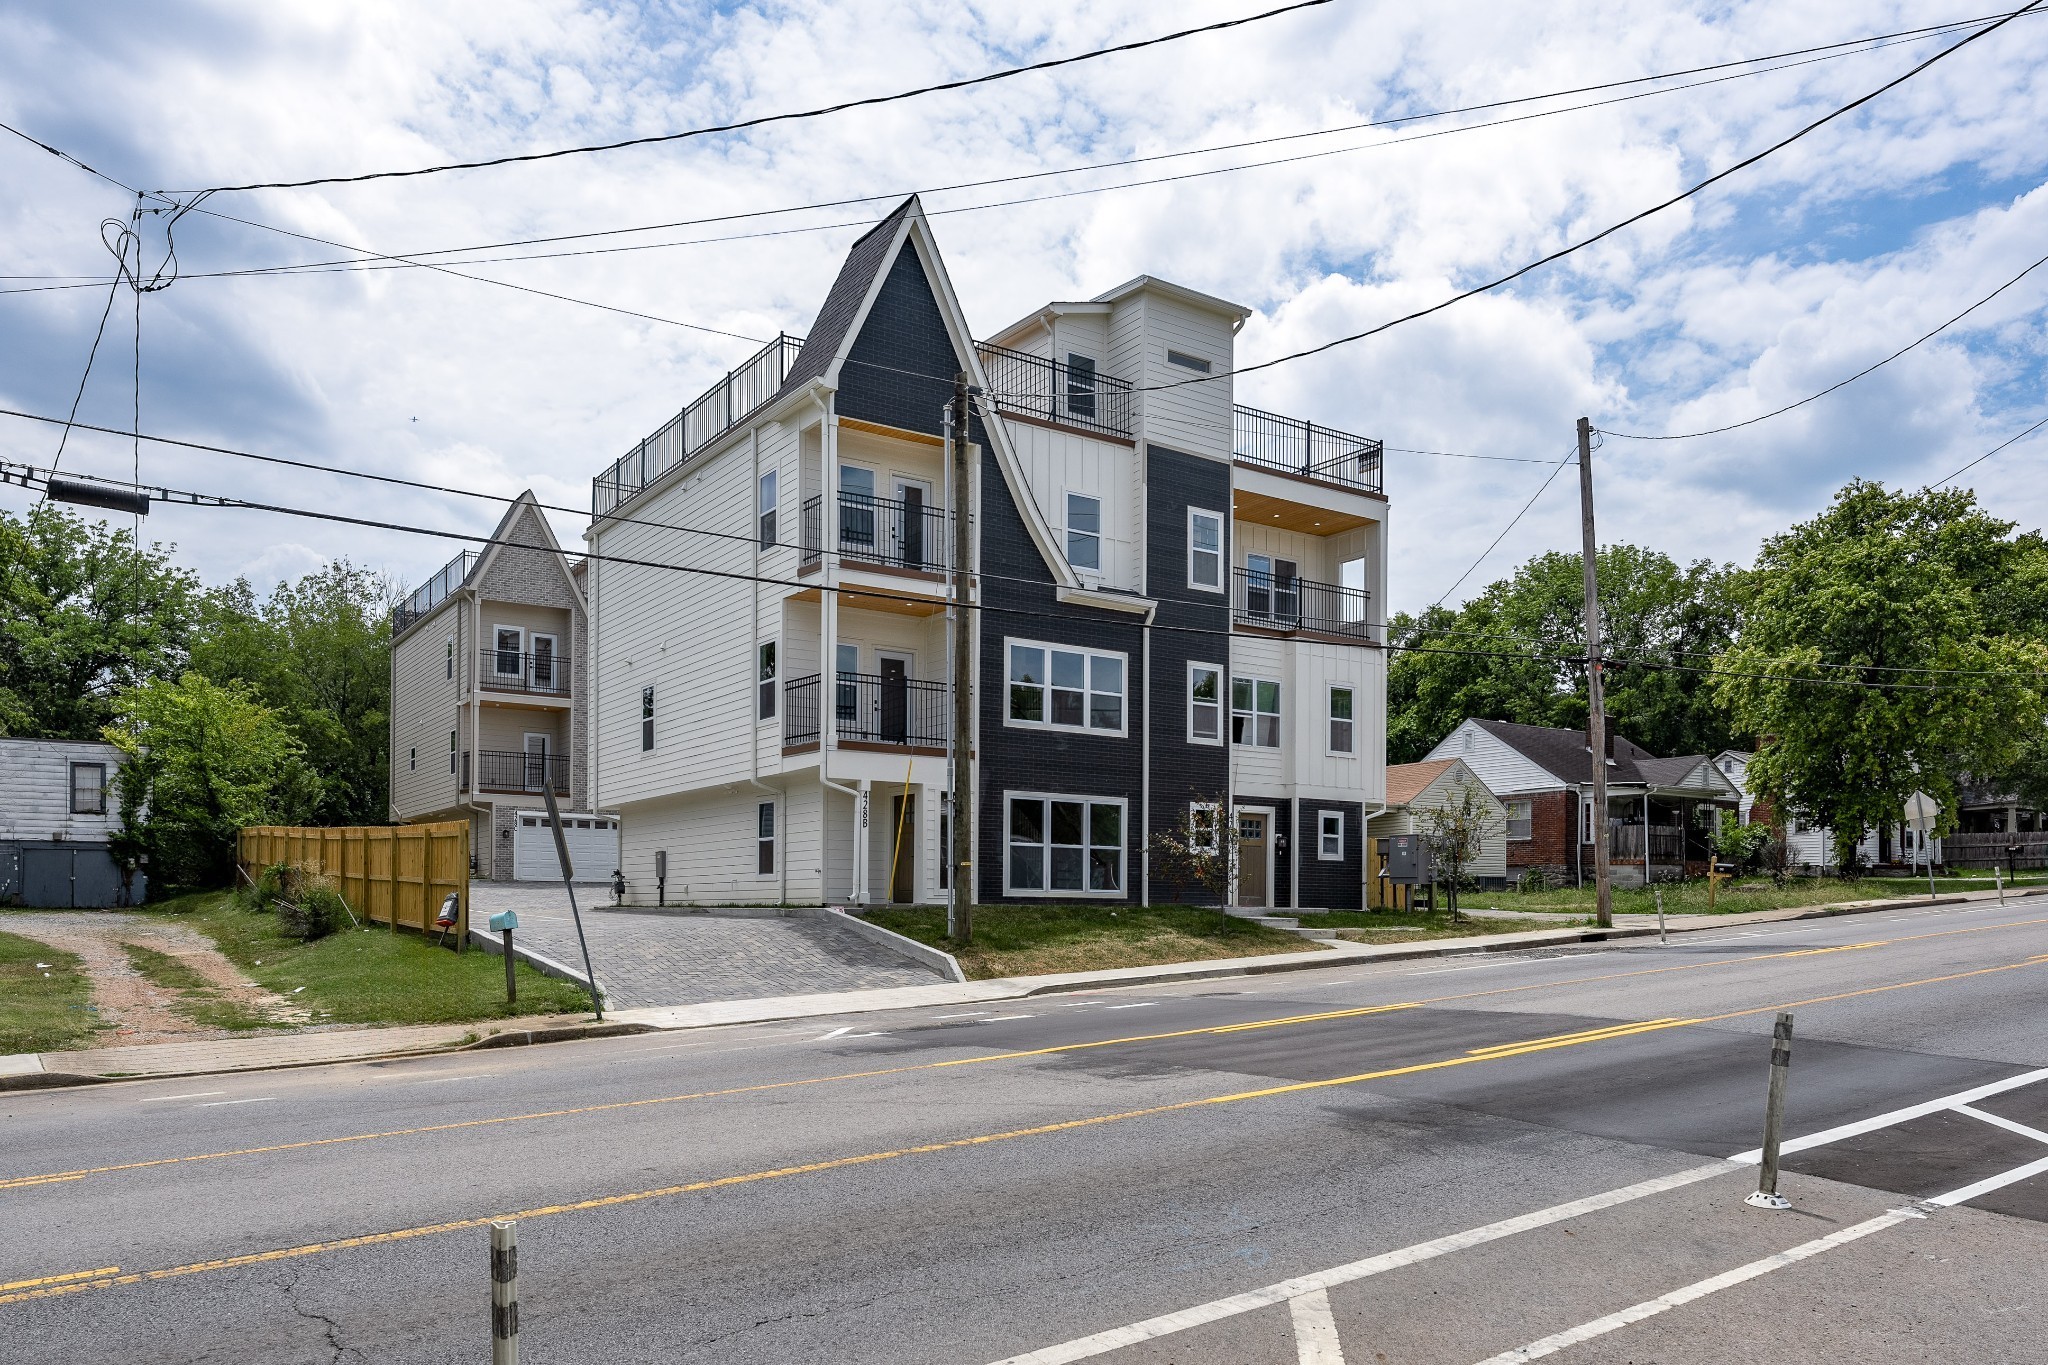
1652,608
1884,582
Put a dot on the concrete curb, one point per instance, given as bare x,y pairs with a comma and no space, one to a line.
528,1037
944,963
540,962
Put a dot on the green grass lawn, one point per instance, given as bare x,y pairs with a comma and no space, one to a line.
1402,926
370,975
42,1008
1737,895
1032,940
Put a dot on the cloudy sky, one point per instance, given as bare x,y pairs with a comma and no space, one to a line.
1779,282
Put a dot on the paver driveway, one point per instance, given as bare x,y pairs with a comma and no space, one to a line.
646,958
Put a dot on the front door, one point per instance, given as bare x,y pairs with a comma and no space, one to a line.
903,851
543,665
1252,863
907,531
536,764
856,510
893,720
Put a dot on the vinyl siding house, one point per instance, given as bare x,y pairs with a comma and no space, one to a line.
1657,808
58,814
487,703
1172,608
1413,789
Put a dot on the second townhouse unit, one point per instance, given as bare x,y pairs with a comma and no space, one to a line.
1172,609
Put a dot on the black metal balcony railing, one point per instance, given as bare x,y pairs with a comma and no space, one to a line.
1299,447
1270,602
722,407
909,534
869,709
429,594
509,670
1033,386
500,771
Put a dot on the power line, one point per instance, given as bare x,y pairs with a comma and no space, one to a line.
1558,468
1839,384
1993,451
786,117
63,155
1609,231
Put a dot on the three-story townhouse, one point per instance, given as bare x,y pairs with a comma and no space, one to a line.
1171,607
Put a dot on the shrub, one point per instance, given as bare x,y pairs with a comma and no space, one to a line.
313,910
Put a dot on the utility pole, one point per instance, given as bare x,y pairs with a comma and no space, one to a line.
960,906
1596,699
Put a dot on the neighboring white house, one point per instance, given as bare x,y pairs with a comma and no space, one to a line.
1416,788
1811,847
1173,608
58,811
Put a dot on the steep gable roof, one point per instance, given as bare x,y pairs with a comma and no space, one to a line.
527,527
844,300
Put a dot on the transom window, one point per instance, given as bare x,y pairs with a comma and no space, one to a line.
1188,362
1084,531
1205,704
1064,845
1340,720
1205,550
1330,836
1066,689
1255,712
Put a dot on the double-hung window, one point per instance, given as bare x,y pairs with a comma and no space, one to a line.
766,509
1205,818
1330,836
1063,845
1205,550
1080,385
1341,723
1255,712
1205,704
765,672
764,839
451,750
1084,531
1065,689
88,789
646,719
449,646
1521,819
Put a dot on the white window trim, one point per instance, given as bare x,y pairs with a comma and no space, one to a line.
1222,551
1067,530
1222,735
774,840
1215,810
452,745
1507,818
1330,719
1323,819
775,679
766,507
498,649
1279,717
1123,825
1124,711
448,645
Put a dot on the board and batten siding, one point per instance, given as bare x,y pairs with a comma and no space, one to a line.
425,707
35,790
1504,771
1055,463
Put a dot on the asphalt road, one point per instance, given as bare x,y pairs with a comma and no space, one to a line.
1462,1160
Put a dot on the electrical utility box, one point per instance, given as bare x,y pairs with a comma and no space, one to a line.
1408,860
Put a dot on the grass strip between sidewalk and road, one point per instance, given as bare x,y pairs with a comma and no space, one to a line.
45,998
1035,940
370,975
1740,895
1415,926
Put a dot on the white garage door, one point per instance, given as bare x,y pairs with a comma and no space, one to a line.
593,847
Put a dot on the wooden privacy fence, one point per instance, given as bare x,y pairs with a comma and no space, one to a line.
392,874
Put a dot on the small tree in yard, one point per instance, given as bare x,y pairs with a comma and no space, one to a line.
1454,834
1200,854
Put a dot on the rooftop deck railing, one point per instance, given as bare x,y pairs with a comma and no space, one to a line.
429,594
1033,386
1291,446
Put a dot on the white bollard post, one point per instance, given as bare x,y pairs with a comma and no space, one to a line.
1998,878
504,1293
1662,937
1767,1196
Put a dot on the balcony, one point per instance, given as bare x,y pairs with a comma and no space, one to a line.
429,594
500,771
721,408
509,670
903,712
1032,386
900,535
1267,601
1287,446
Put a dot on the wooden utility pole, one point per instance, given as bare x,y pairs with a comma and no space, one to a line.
960,906
1596,700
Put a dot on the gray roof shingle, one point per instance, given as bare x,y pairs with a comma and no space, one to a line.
865,260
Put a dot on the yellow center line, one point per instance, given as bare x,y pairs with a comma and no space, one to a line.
50,1289
58,1279
1590,1035
307,1144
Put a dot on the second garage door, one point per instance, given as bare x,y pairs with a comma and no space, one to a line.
593,847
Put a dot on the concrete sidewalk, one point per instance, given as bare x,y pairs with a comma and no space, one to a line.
31,1070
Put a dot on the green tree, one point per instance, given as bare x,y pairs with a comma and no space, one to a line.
317,652
201,762
1886,582
85,614
1491,656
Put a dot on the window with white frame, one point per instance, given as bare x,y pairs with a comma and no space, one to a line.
1255,712
1521,818
1341,722
1065,689
449,646
646,719
1204,819
1205,550
764,839
451,751
1586,821
1330,836
765,672
1084,531
1205,704
505,659
1080,385
88,789
765,508
1063,845
1188,362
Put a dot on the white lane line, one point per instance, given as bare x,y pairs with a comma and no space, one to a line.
1003,1018
1116,1338
469,1076
1664,1303
195,1095
1996,1182
2003,1122
845,1031
971,1014
1142,1004
1315,1330
215,1104
1897,1116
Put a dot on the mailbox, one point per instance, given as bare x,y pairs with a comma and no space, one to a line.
503,920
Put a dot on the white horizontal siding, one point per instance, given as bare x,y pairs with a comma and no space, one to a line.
425,707
1192,417
1504,771
35,790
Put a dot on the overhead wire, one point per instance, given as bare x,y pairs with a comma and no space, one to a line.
1993,451
1570,457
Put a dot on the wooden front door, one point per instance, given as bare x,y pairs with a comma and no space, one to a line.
1252,862
903,879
